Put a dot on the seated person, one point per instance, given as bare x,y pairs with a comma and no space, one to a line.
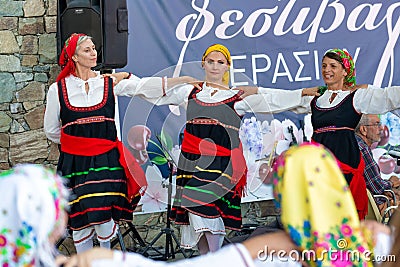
368,131
32,217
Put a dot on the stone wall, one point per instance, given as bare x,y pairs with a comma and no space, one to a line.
28,58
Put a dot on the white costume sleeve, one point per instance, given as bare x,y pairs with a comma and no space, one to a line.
232,255
52,123
176,95
274,101
375,100
149,87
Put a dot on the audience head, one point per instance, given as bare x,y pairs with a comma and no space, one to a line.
69,50
369,128
227,58
317,208
346,61
33,215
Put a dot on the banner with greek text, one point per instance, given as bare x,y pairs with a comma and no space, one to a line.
274,43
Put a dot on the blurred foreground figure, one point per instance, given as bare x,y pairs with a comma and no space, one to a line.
32,217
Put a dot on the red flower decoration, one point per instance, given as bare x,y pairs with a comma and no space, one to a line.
3,241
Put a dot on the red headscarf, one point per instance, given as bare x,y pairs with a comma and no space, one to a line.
66,62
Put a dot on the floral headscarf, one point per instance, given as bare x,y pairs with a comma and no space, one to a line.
225,52
348,64
31,207
65,61
318,209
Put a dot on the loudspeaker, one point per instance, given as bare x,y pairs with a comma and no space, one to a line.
105,20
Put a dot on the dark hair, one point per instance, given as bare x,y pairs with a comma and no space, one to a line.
335,56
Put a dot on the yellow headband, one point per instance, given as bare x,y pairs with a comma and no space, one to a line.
225,52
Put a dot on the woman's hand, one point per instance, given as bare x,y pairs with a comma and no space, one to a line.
85,259
360,86
248,90
311,91
117,76
171,82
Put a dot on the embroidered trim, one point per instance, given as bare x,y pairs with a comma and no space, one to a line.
314,102
232,98
89,120
107,238
80,213
85,238
85,109
211,122
332,129
90,224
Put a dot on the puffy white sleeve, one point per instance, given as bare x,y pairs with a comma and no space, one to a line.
149,87
232,255
375,100
154,90
52,122
176,95
274,101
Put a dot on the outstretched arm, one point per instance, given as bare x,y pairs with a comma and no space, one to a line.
237,254
311,91
170,82
272,100
252,90
269,243
127,84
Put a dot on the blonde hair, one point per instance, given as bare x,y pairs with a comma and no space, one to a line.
81,39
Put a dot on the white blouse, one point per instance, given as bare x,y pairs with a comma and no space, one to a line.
77,96
372,100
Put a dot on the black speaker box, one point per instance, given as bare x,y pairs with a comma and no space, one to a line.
105,20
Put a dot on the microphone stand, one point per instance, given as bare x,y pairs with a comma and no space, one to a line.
170,236
294,140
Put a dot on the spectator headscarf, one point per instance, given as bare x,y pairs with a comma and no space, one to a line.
318,209
32,202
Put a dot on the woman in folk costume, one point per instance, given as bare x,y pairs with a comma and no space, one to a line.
32,217
336,113
212,170
105,182
318,211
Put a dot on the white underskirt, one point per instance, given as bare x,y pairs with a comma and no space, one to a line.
191,234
